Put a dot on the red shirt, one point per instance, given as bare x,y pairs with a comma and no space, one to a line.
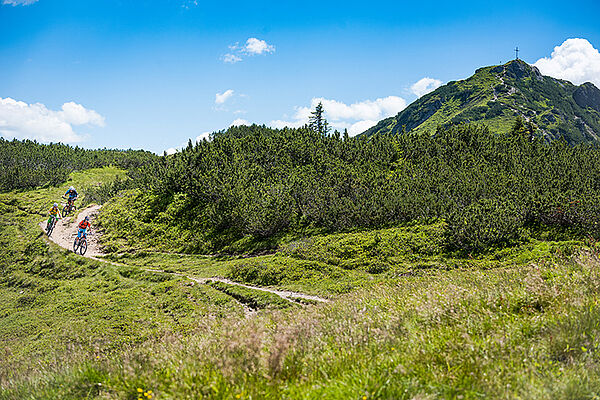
84,224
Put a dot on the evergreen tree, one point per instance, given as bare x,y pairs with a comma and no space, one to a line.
317,122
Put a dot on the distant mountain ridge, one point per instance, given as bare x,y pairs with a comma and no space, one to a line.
496,95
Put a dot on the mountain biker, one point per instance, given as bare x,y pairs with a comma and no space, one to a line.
84,225
72,194
54,213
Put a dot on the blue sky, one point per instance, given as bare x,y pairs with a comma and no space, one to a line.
146,74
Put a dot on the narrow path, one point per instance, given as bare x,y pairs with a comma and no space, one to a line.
286,294
65,232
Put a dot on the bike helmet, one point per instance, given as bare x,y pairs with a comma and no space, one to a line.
55,205
71,188
87,218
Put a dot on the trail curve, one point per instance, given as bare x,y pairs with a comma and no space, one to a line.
65,232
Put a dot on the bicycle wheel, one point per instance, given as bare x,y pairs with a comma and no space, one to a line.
50,228
65,210
75,245
82,246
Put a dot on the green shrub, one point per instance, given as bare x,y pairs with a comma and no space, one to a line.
484,224
103,192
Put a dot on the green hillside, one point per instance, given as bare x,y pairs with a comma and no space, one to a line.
496,95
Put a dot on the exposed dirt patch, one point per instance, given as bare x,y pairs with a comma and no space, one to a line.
286,294
65,231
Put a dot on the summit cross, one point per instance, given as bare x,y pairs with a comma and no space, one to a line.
517,52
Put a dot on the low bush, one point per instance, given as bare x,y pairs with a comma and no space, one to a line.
483,225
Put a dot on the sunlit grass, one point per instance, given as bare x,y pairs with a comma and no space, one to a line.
528,333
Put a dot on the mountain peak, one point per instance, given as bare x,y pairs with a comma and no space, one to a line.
496,96
518,69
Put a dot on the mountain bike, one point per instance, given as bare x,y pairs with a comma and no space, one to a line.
70,206
50,225
80,244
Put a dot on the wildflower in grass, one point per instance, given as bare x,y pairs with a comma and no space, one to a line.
140,390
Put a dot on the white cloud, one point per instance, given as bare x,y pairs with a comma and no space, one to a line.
19,2
202,136
239,121
189,4
575,60
280,124
368,109
257,46
35,121
356,117
221,98
252,47
76,114
360,127
424,86
199,138
231,58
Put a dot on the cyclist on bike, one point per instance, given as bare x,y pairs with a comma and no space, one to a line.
83,227
54,213
72,194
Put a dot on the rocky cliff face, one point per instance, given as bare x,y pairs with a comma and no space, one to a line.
587,96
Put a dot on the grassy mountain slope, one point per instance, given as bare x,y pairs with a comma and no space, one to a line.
496,95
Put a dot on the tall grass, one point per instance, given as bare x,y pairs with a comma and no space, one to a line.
529,333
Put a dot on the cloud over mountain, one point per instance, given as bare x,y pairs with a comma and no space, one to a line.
575,60
424,86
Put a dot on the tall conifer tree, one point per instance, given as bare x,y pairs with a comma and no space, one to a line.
317,121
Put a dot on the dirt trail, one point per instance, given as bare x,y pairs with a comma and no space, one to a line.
286,294
65,232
